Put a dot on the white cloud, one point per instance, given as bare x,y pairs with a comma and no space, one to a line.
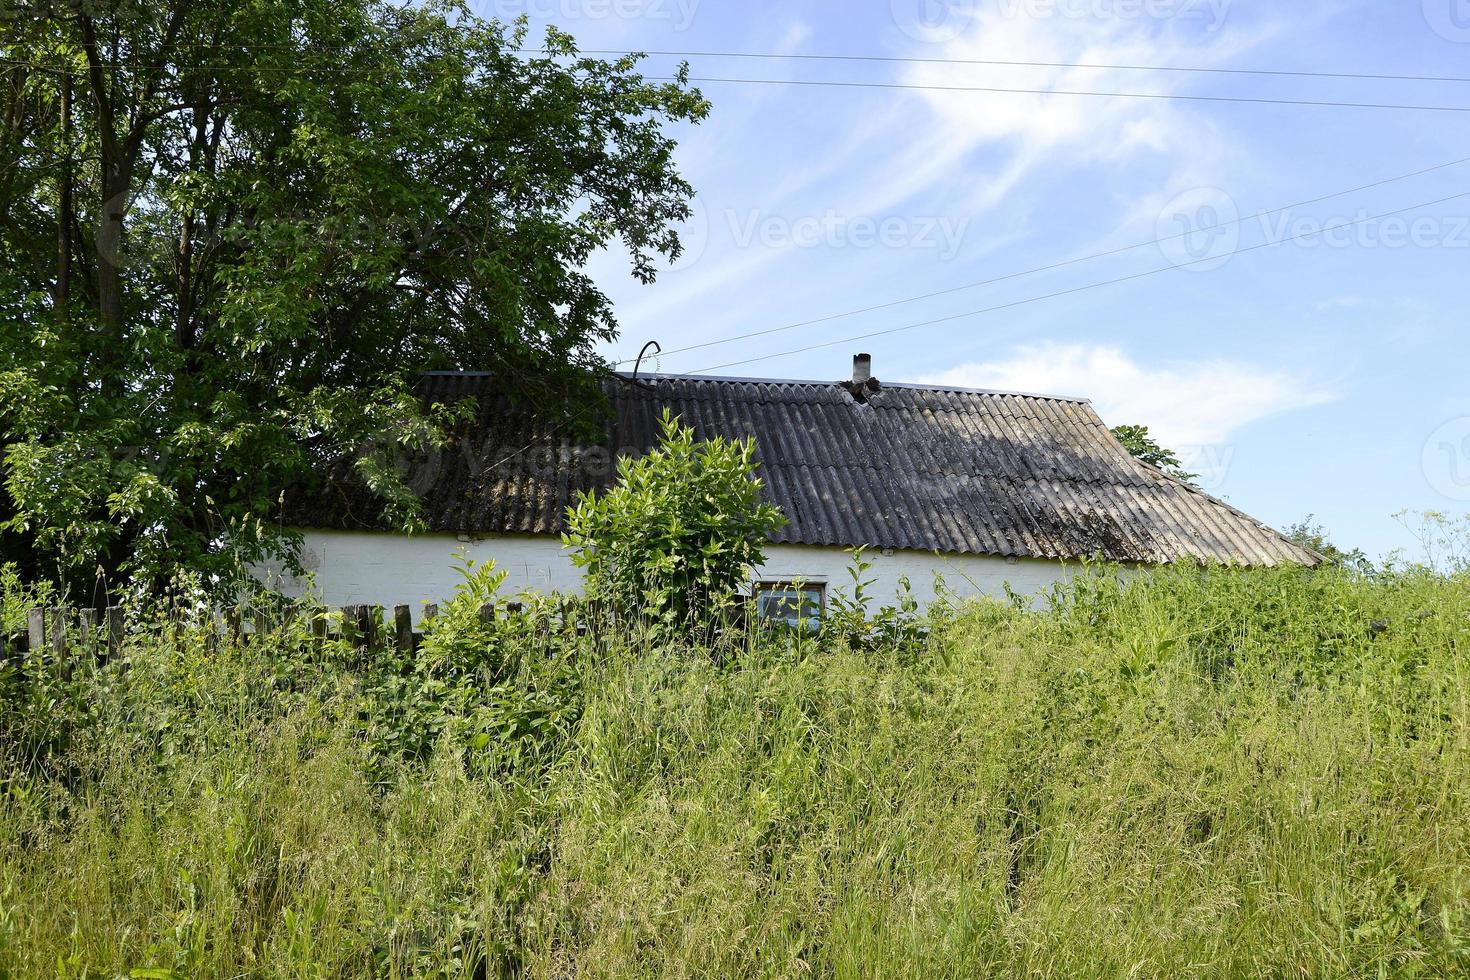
1035,128
1184,403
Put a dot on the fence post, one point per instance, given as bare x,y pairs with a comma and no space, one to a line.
265,621
371,622
403,628
87,624
487,613
350,620
431,612
114,630
57,629
36,629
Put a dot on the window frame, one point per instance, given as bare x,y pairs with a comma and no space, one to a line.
799,586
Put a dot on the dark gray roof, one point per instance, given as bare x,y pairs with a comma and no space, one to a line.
934,469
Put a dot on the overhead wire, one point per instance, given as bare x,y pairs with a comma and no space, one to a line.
1083,288
1051,267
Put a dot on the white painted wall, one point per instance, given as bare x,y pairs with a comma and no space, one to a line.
351,567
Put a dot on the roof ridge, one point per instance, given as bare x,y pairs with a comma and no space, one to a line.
814,383
801,382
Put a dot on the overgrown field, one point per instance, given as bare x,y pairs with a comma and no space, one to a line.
1210,774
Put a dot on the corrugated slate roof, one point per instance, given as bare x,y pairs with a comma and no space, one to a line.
933,469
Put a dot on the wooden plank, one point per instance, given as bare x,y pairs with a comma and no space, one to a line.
88,623
56,630
265,621
403,628
114,630
36,629
371,624
58,639
351,618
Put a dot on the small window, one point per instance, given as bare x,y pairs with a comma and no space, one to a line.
798,605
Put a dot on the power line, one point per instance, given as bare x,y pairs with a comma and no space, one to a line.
990,89
1079,289
306,45
1319,103
1031,64
1048,268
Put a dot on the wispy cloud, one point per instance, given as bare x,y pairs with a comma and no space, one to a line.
1184,403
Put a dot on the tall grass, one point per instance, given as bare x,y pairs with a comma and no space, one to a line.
1204,773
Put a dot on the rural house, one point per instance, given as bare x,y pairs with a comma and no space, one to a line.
985,489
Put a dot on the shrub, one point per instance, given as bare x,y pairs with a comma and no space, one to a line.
677,535
901,625
502,692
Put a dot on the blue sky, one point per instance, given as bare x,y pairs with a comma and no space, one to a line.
1303,378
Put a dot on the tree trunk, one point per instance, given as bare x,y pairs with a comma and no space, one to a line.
115,186
116,181
64,208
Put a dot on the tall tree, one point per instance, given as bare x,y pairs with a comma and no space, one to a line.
233,231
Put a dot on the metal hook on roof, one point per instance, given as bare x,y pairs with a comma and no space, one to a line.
638,364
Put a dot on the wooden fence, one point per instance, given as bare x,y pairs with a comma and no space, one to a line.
69,633
100,632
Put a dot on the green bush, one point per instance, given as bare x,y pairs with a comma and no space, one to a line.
678,534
